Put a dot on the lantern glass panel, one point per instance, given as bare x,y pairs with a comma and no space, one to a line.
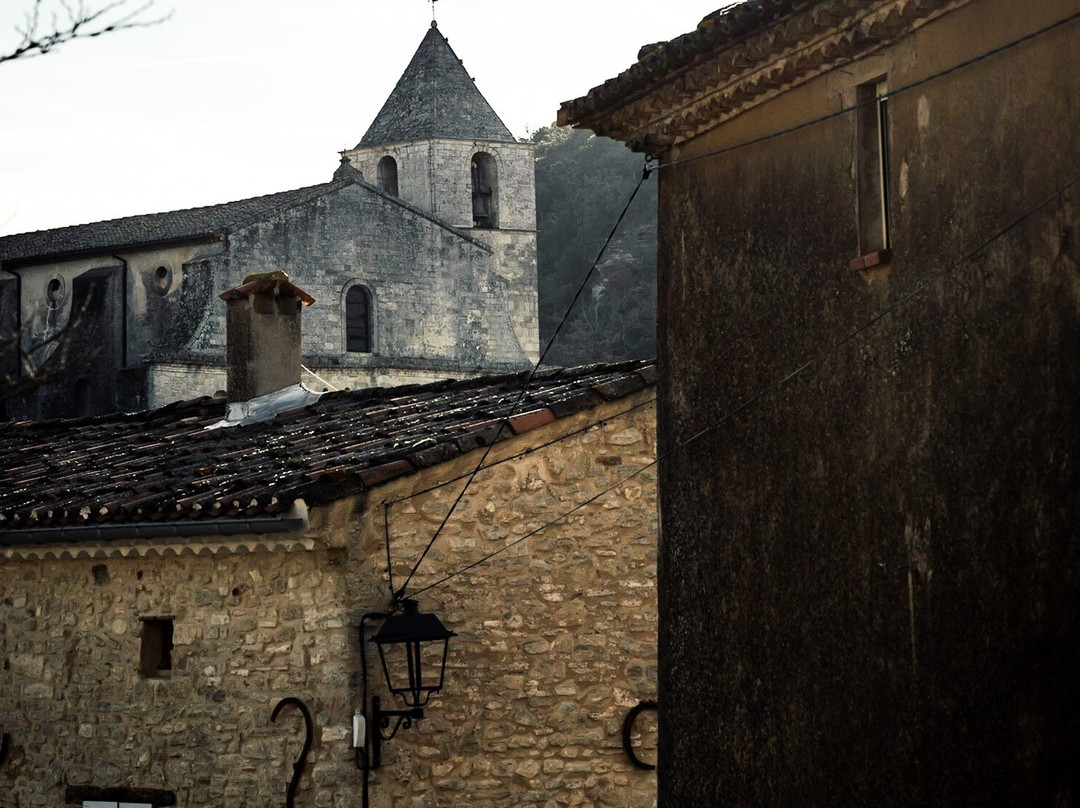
412,648
414,670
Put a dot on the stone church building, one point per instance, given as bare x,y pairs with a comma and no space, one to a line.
420,250
170,578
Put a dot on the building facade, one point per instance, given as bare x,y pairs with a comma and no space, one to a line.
421,249
868,346
154,611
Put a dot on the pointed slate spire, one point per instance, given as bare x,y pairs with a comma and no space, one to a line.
435,98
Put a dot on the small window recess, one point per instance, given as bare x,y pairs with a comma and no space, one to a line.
387,176
55,292
484,191
163,279
872,171
155,656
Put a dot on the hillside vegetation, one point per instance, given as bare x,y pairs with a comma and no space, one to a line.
582,184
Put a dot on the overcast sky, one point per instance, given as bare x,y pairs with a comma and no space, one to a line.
235,98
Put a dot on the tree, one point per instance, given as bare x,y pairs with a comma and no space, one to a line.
26,366
26,363
582,184
39,35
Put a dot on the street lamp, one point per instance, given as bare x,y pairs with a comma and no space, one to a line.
412,648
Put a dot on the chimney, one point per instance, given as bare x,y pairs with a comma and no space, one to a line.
263,335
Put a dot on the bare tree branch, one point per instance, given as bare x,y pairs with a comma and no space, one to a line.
39,363
77,22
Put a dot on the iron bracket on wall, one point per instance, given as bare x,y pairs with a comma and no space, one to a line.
298,766
628,730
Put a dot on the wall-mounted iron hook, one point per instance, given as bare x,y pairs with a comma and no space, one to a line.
298,766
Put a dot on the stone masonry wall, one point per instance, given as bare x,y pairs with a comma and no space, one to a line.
435,175
556,640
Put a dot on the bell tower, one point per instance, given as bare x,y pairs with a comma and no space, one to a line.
438,146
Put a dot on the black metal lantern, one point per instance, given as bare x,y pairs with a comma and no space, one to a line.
413,648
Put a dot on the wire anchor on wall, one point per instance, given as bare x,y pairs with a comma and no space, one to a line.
628,731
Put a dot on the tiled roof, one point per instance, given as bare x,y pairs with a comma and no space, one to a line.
435,98
164,466
156,228
737,57
658,60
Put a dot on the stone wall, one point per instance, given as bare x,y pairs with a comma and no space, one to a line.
435,176
556,640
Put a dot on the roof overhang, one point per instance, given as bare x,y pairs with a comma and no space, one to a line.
738,58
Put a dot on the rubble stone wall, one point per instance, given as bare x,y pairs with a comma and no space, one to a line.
556,641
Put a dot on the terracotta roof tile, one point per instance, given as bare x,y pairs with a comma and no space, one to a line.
153,466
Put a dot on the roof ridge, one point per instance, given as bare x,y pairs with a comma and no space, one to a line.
157,228
192,209
163,466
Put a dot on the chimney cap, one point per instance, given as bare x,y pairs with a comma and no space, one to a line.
277,281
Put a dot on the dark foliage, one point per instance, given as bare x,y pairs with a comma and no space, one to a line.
583,183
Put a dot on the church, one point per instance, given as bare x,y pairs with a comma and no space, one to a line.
420,252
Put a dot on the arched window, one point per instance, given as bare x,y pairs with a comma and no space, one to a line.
484,190
358,320
387,176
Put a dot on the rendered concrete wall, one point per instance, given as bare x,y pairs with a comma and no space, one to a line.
556,640
875,567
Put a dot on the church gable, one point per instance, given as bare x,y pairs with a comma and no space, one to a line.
428,295
422,256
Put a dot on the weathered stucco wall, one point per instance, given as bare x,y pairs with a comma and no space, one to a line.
874,566
556,639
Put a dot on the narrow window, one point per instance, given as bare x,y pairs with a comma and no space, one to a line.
358,320
484,190
387,176
873,170
155,658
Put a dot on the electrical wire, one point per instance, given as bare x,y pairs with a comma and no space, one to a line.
528,381
798,371
386,532
543,527
898,91
649,168
526,452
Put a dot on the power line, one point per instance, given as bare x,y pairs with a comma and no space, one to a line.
526,452
845,110
798,371
397,595
545,526
648,169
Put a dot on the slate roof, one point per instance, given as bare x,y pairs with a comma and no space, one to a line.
156,228
435,98
163,466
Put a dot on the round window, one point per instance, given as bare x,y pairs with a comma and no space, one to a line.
54,292
162,279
